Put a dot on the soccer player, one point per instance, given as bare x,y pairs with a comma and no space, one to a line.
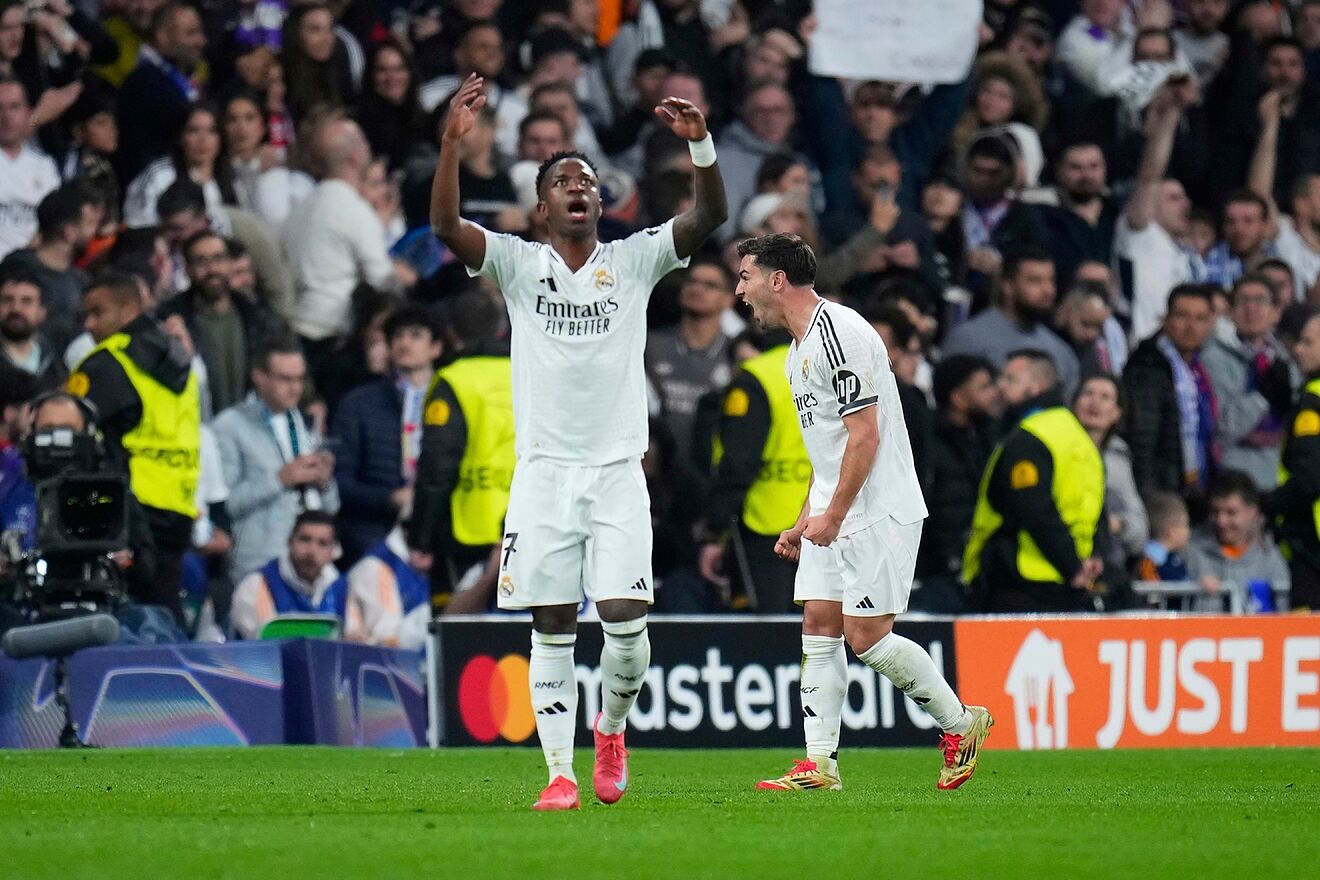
579,517
856,538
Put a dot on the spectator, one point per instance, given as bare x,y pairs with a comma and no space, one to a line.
1297,238
155,97
374,471
1164,556
26,173
1081,226
1026,304
1151,242
300,579
18,500
1233,556
1289,117
1171,428
225,328
1245,226
1201,40
1005,89
1113,342
480,49
95,140
458,517
941,208
1080,321
995,222
636,119
198,154
66,222
335,242
317,68
1252,378
129,26
903,344
692,359
391,114
244,142
1099,407
390,597
149,407
764,126
1094,41
676,26
560,99
22,339
966,405
273,461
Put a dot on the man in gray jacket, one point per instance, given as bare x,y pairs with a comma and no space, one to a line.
1253,380
1234,550
273,462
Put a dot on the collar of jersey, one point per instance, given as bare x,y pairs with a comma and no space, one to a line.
599,246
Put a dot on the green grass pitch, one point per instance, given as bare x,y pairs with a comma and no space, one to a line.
290,813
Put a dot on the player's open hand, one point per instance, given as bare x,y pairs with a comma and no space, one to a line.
789,545
463,108
822,529
682,117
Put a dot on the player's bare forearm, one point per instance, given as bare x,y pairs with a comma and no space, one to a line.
806,506
858,455
465,238
710,209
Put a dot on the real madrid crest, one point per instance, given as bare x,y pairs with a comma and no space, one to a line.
603,279
806,369
506,587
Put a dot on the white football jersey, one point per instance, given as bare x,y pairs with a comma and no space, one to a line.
579,388
25,180
842,367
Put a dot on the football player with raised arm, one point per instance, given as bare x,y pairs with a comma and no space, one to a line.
857,536
579,521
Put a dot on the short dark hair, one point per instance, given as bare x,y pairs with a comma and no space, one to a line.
1041,363
1163,508
1281,40
555,159
993,147
1264,281
313,518
475,318
1105,376
1025,254
412,315
901,328
19,387
61,207
1242,196
541,116
782,252
123,286
1205,292
17,273
180,196
773,167
278,343
198,237
237,250
166,13
952,373
1230,482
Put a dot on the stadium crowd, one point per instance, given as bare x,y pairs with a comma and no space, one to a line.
214,226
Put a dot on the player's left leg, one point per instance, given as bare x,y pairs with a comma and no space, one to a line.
878,565
618,580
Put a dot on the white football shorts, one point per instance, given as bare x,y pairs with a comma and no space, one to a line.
575,531
869,571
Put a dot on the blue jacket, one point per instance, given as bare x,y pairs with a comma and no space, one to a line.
289,601
18,500
368,463
413,588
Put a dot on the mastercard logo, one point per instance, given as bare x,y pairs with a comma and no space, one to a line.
493,699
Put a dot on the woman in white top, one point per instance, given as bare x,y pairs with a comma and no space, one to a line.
200,153
245,143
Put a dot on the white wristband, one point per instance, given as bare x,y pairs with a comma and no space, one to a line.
703,152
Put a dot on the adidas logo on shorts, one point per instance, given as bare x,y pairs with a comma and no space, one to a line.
640,585
866,604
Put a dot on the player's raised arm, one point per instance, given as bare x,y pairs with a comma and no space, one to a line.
463,237
711,206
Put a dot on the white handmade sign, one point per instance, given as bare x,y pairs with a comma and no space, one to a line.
928,41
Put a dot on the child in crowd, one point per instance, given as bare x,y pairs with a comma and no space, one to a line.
1170,530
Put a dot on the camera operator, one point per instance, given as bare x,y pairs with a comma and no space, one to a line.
142,385
137,561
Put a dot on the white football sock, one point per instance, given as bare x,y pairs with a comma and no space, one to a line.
909,667
823,687
553,685
623,662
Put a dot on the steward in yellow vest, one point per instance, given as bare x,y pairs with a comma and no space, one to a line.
1296,502
149,409
762,474
1039,509
465,468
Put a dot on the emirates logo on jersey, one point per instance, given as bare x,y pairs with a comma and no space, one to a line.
603,279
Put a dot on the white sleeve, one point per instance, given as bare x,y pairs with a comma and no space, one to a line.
652,252
377,601
850,364
367,238
502,251
246,615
